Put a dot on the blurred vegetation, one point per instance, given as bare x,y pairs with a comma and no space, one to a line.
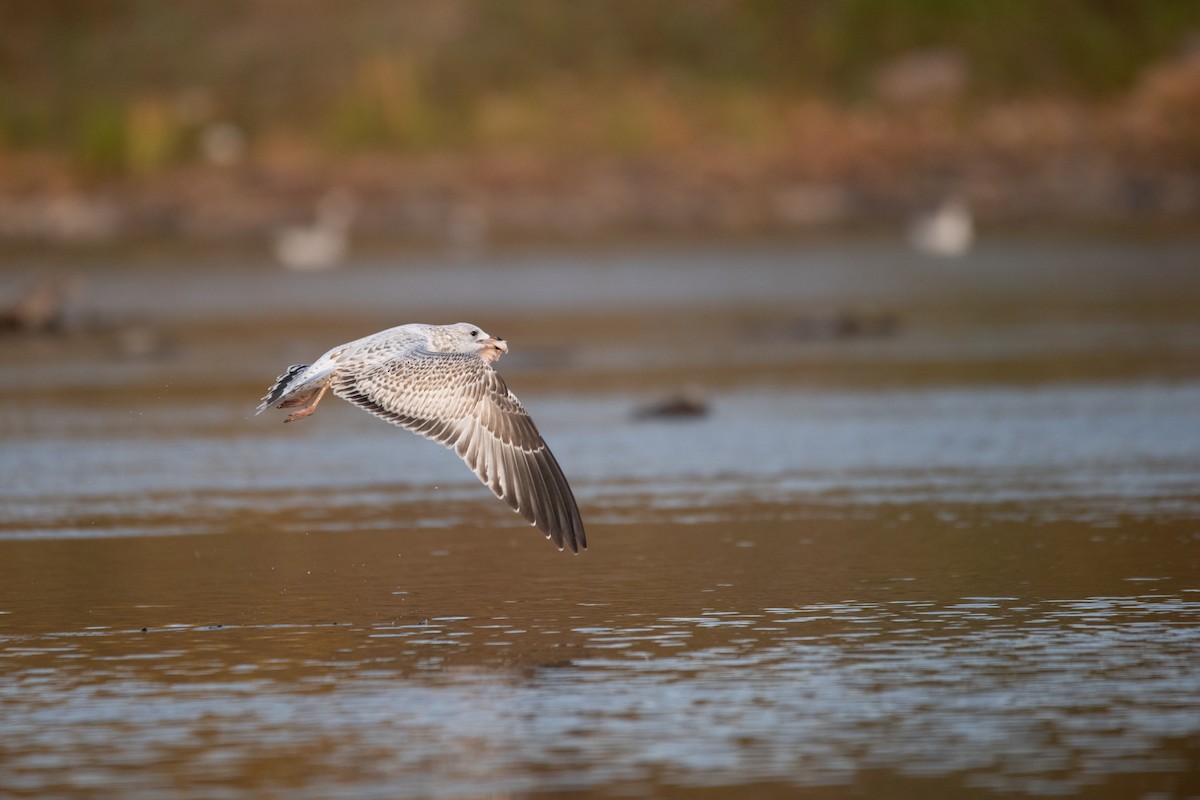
129,85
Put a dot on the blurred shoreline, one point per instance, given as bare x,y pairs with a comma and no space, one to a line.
483,123
467,202
1042,164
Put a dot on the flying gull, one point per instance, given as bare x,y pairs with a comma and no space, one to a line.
438,381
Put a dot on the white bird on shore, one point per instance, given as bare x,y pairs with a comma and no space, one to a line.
438,381
946,231
324,244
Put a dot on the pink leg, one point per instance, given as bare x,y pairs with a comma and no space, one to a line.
308,409
302,400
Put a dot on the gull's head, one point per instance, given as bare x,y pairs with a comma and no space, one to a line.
463,337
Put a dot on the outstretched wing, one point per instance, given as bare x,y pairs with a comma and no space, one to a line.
458,400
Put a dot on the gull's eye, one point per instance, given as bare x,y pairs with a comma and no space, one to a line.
474,334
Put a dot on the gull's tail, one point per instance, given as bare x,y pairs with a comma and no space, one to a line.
282,386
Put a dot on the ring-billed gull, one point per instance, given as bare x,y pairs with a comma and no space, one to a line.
438,381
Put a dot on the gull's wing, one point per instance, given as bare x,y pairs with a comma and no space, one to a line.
460,401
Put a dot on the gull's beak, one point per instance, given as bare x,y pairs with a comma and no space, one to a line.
493,348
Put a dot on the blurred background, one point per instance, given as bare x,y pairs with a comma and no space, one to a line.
866,333
201,123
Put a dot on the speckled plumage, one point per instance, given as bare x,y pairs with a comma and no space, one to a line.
437,380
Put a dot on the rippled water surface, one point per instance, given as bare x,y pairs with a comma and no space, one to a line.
938,535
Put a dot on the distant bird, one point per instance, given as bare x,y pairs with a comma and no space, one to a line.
438,381
947,231
42,307
324,244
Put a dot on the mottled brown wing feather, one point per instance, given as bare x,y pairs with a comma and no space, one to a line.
458,400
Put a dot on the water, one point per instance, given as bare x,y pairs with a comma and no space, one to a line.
956,554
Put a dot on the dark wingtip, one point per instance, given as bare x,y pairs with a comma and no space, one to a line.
572,538
575,538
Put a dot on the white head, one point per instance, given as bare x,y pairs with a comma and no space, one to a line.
463,337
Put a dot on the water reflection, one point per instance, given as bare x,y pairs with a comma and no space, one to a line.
1035,696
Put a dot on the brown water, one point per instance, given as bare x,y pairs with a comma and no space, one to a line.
944,544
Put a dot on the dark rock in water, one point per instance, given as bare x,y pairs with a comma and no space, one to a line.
688,403
834,325
844,324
